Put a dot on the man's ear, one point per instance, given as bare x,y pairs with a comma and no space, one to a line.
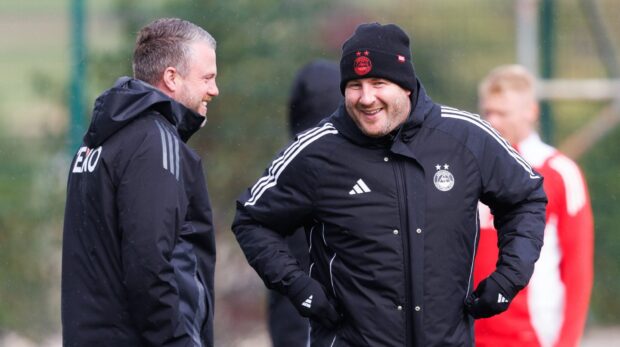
170,79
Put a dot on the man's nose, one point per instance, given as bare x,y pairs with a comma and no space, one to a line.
214,90
367,96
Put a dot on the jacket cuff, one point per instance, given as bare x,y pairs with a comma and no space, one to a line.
298,286
509,289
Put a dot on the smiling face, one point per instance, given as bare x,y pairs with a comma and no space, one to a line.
377,105
197,88
512,113
507,100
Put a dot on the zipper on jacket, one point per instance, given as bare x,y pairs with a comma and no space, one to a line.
401,191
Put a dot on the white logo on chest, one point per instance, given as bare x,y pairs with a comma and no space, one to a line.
443,179
360,187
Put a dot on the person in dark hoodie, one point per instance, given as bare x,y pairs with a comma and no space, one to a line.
387,189
315,94
138,252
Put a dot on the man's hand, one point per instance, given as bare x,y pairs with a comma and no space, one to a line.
488,299
308,297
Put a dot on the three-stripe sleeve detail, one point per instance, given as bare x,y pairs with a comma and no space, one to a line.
170,150
278,165
449,112
163,145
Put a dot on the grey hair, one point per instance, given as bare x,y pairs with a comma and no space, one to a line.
164,43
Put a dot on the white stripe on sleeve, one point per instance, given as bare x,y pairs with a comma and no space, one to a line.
164,146
278,165
449,112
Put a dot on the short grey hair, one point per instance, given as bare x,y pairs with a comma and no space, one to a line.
164,43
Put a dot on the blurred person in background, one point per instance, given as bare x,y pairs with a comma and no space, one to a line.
315,94
387,189
138,248
552,309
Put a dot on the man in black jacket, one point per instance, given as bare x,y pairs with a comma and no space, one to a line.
138,247
387,189
315,94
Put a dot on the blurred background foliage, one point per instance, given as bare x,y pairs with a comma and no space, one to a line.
261,44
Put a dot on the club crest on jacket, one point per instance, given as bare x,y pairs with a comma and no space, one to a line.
443,179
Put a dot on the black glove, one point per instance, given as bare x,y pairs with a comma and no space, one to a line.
488,299
308,297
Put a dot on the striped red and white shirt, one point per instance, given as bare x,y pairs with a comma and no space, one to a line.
552,309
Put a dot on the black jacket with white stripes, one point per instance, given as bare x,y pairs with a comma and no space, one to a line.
392,222
138,248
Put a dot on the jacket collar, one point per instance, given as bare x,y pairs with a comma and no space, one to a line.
130,99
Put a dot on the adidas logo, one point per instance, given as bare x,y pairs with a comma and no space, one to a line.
359,188
308,302
501,298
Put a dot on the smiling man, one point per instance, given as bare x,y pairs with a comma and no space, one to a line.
138,248
376,105
387,189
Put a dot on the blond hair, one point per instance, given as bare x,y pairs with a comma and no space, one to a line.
508,78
